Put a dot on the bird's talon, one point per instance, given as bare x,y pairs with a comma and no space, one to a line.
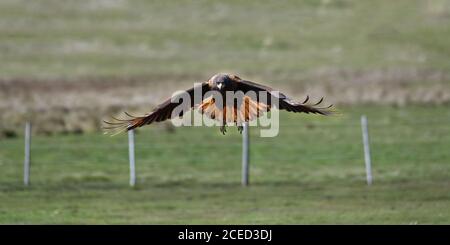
223,129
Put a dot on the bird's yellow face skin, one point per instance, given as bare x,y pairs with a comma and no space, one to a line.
223,82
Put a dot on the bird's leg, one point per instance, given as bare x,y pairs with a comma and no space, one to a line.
223,129
240,128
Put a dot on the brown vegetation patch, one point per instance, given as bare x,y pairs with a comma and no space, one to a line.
67,106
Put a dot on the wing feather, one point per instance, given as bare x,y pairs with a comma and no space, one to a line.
162,112
284,102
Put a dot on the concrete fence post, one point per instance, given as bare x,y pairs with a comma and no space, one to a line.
367,157
26,163
131,158
245,155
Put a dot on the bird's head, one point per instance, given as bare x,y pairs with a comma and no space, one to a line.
221,82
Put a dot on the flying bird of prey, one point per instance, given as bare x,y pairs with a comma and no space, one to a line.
225,112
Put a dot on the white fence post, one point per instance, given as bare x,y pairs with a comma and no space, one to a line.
367,159
245,155
131,157
26,163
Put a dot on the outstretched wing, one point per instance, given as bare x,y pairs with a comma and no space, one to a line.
284,102
162,112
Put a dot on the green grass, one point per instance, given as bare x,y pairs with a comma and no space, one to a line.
312,173
280,39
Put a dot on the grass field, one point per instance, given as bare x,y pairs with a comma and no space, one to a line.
313,173
280,39
66,65
91,59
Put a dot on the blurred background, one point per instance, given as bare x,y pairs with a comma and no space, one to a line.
67,65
